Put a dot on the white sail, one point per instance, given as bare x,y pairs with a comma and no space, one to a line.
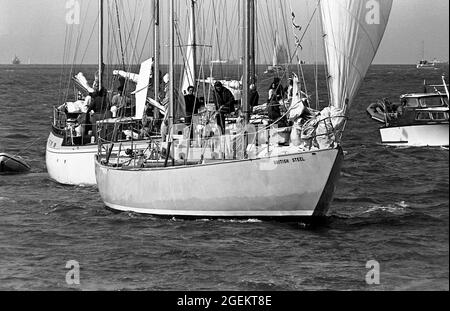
353,30
280,54
142,87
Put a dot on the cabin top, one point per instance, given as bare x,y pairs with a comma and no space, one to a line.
424,100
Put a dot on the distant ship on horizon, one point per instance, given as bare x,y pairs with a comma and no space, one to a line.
15,60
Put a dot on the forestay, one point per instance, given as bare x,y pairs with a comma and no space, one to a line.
353,30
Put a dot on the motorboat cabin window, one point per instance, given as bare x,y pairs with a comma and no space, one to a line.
411,102
423,116
440,116
433,101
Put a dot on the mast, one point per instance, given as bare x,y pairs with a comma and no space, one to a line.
194,43
171,67
157,54
249,61
100,44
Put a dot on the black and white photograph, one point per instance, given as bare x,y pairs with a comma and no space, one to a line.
224,151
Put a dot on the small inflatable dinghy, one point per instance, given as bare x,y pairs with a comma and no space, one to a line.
377,111
12,164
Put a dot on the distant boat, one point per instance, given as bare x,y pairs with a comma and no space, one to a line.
219,61
280,58
419,120
12,164
423,63
15,60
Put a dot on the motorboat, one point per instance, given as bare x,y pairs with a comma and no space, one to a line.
419,119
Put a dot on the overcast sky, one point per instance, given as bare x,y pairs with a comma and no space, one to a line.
35,30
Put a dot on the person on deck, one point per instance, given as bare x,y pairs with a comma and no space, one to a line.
224,102
98,107
253,96
119,102
277,89
193,104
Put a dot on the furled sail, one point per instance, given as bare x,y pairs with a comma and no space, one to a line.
142,87
353,30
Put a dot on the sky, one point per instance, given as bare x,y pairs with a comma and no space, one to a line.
35,30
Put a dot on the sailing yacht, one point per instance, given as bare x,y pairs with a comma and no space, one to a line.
423,63
16,60
280,58
72,142
235,174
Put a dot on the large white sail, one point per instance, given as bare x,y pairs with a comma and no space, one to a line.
353,30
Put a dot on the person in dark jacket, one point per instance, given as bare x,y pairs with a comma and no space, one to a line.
253,96
224,101
276,88
192,104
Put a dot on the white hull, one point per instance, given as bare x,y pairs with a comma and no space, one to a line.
295,185
416,135
73,165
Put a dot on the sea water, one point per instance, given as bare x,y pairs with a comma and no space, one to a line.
391,207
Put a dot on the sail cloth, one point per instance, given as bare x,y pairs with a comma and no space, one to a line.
353,30
142,81
142,87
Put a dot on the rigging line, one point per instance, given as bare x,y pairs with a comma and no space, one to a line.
134,48
144,42
316,65
80,34
130,33
62,66
120,34
307,26
217,36
115,48
299,65
89,40
138,59
183,57
29,146
269,20
67,83
268,29
285,29
327,75
78,43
